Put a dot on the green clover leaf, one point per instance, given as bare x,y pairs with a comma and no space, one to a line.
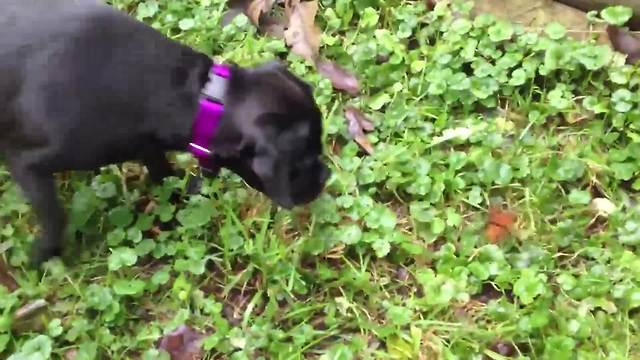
186,24
579,197
122,257
128,287
37,348
555,30
617,15
147,9
621,99
501,31
529,285
121,216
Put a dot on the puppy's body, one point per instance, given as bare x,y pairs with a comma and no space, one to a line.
83,85
79,72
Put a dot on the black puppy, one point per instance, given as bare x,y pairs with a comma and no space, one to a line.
83,85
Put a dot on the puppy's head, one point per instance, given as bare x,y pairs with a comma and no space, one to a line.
271,134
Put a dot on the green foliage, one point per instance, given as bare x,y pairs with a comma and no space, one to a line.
392,261
617,15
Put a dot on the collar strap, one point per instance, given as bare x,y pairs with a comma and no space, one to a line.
209,116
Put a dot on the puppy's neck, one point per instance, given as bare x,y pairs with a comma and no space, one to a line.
209,115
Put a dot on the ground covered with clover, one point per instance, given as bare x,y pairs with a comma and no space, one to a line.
486,209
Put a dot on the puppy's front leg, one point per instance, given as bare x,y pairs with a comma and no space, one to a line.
158,166
40,191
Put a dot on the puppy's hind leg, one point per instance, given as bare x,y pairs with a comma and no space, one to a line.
40,191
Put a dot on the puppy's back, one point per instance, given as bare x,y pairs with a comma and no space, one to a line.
27,22
29,27
85,60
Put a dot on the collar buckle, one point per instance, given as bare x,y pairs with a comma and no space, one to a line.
209,115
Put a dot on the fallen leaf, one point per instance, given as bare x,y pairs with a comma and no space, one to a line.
31,309
152,205
132,171
184,343
71,354
602,206
504,348
258,13
459,133
402,274
155,231
272,26
6,279
340,78
358,124
29,318
354,114
577,116
597,225
289,5
302,35
625,42
254,9
499,224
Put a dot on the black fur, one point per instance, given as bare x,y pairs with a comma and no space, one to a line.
83,85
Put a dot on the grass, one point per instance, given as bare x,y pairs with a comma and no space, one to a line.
393,261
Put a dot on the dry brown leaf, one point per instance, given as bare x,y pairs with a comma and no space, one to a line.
151,206
29,317
340,78
625,42
6,279
499,225
184,343
289,5
272,26
576,117
602,206
71,354
358,124
504,348
254,9
31,309
258,13
155,231
302,34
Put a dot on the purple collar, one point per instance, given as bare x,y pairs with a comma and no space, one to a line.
209,114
